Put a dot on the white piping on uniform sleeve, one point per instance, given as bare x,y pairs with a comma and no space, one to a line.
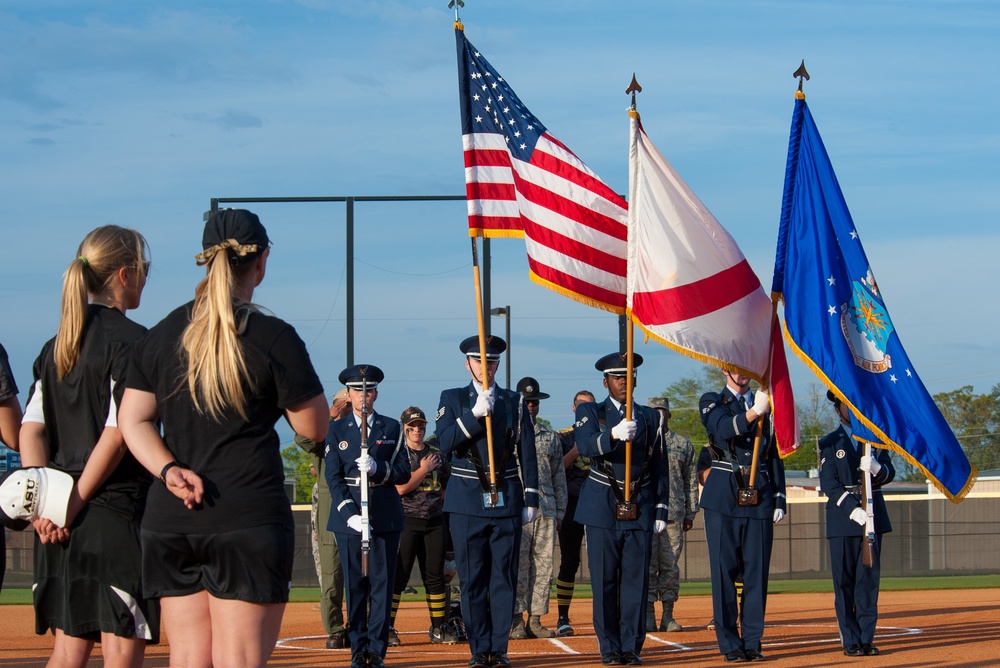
736,428
33,411
842,497
112,420
343,503
462,427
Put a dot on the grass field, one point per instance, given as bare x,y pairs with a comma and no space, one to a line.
311,594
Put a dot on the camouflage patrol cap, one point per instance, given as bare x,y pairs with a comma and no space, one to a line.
659,402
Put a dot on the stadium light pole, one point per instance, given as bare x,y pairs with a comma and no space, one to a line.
505,312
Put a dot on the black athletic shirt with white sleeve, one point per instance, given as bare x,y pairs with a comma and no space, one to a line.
76,408
239,461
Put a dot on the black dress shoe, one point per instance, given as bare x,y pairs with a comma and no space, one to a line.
480,660
631,659
611,658
375,661
359,660
754,655
337,640
870,649
735,655
499,659
854,650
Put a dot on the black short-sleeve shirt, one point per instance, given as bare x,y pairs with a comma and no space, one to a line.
239,461
76,407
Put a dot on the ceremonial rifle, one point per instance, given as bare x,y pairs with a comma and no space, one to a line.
868,546
366,530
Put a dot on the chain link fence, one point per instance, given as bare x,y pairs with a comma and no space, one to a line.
931,536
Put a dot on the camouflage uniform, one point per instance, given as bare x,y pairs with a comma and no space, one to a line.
331,574
664,574
538,539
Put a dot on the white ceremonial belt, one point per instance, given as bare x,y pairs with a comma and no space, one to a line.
604,479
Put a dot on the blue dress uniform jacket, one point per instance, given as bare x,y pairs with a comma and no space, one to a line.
855,586
725,421
739,537
839,477
487,540
369,599
619,550
459,432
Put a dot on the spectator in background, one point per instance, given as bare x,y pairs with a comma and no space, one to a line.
330,572
664,573
538,538
425,531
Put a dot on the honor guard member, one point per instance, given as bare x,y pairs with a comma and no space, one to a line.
369,598
740,519
855,586
486,532
619,532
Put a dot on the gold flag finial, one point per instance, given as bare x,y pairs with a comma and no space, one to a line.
633,88
801,74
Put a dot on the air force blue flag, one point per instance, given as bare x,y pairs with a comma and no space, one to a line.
836,320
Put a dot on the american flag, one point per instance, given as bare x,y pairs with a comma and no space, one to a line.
523,182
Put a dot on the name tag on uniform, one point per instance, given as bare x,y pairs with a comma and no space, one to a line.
488,501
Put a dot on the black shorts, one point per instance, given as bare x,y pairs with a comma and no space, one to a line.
252,564
92,584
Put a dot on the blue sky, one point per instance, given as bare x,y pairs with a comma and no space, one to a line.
138,113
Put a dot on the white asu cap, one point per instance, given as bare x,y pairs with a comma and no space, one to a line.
30,493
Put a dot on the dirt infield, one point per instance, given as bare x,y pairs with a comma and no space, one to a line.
922,628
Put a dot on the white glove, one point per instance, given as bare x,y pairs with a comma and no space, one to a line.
659,526
761,403
355,522
870,464
779,515
484,404
365,464
859,515
624,431
528,515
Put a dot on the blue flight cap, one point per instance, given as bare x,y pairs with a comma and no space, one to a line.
494,347
361,375
616,364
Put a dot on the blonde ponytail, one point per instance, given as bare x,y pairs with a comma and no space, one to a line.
217,375
101,254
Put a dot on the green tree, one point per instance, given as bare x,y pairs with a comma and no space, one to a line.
975,419
815,418
298,469
684,395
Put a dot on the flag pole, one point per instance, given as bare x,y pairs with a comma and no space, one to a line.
483,368
765,384
800,74
629,371
632,89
